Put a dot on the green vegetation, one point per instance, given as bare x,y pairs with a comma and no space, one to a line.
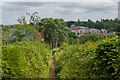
91,37
73,39
26,59
88,56
108,24
118,33
99,59
23,54
55,31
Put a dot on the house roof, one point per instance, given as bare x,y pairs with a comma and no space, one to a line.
16,25
75,30
87,28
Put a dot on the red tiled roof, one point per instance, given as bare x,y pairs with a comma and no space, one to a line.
79,28
75,30
16,25
87,28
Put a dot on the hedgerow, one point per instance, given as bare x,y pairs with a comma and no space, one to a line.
99,59
26,59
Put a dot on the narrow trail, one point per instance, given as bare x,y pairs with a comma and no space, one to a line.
52,75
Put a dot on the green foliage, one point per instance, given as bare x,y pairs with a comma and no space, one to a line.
99,59
107,59
34,19
91,37
54,30
22,20
90,23
78,23
20,33
71,62
26,59
70,23
6,28
118,33
72,38
109,24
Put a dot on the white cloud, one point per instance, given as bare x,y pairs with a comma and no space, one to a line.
0,12
66,10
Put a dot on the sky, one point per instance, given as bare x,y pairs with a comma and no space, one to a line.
69,10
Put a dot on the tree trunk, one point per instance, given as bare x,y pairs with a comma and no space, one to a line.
50,44
56,42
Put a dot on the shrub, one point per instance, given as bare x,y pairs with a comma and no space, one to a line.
99,59
26,59
107,63
118,33
91,37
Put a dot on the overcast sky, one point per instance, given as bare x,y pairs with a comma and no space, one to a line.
68,10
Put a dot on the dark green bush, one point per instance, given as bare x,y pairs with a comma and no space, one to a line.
107,63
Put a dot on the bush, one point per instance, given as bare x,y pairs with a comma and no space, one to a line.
99,59
107,62
118,33
20,33
91,37
26,59
71,61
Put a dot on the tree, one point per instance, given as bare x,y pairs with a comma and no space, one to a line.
33,19
22,33
90,24
78,23
72,37
70,23
55,30
118,24
22,20
109,24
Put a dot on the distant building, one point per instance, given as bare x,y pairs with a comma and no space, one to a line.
94,31
72,27
103,31
17,25
81,30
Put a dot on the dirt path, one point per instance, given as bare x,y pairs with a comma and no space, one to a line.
52,75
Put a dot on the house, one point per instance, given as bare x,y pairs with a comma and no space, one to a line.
81,30
72,27
76,32
80,27
94,31
16,25
103,31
